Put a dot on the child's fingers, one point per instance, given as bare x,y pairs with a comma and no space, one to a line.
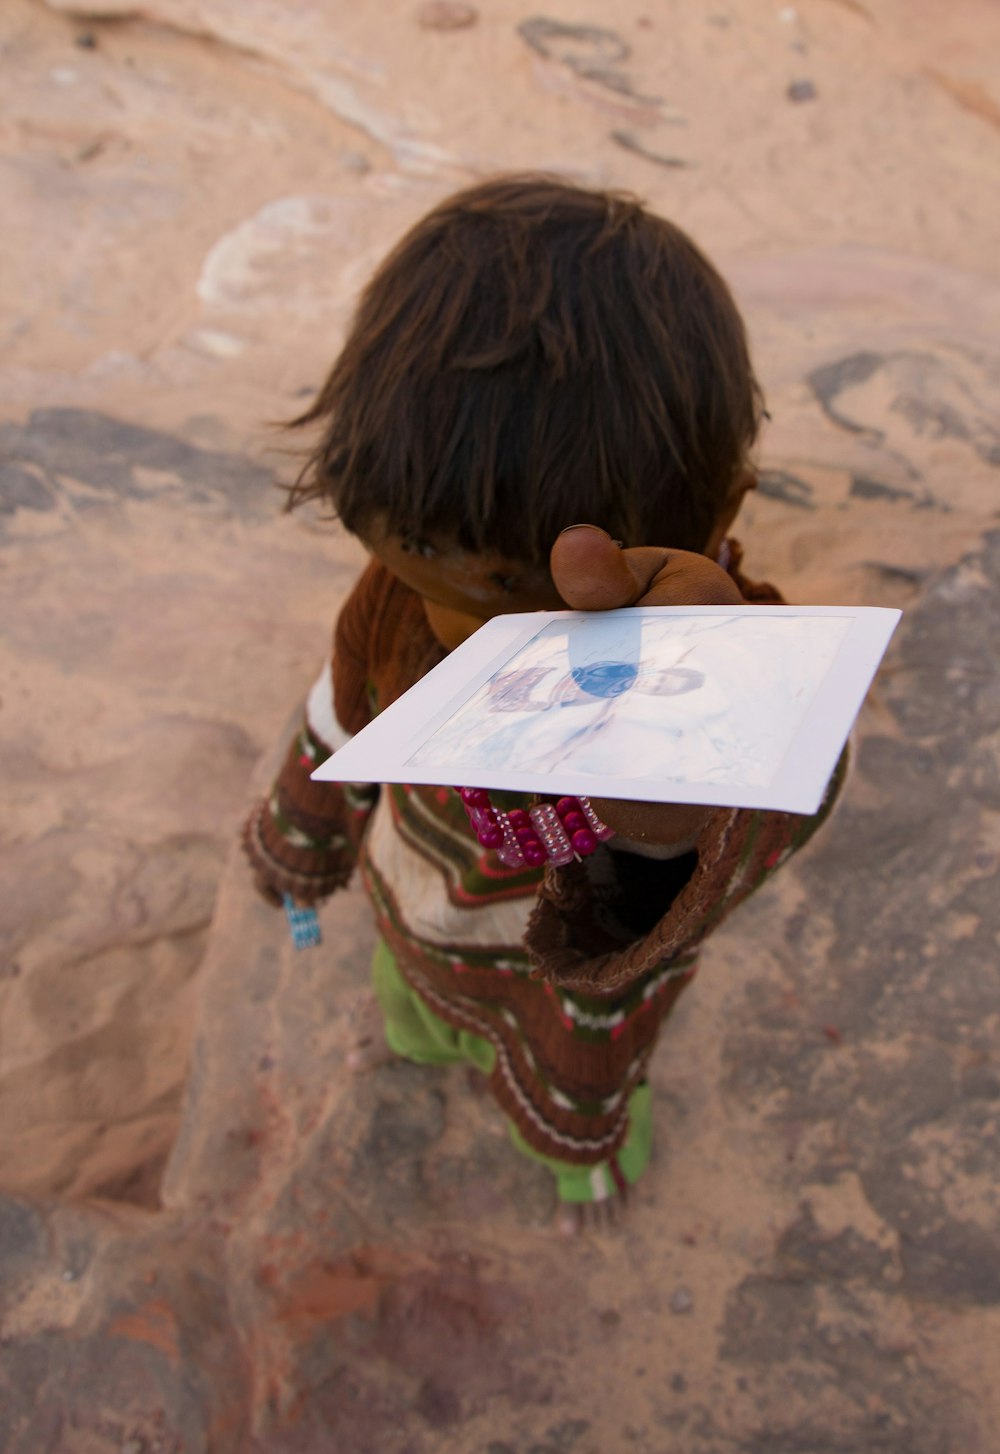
592,573
267,891
688,579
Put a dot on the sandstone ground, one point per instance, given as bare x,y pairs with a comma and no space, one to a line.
211,1238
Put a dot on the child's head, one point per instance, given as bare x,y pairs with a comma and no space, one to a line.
534,354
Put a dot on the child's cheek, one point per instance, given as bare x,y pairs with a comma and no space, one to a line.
451,627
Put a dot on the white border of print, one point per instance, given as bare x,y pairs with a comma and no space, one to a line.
383,751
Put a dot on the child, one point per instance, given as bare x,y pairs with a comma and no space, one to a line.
546,399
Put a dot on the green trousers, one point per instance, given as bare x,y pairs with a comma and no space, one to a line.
416,1033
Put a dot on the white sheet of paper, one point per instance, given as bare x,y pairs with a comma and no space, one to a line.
736,706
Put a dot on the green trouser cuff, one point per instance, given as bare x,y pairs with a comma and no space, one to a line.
412,1028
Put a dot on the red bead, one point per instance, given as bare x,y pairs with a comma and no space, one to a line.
567,805
534,854
584,842
490,837
526,835
475,797
573,822
518,818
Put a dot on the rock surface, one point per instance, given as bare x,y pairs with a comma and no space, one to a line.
211,1237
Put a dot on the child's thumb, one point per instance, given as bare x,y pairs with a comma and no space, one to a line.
590,570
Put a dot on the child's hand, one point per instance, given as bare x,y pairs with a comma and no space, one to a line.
267,891
592,573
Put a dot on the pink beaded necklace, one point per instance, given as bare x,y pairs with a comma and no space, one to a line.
557,834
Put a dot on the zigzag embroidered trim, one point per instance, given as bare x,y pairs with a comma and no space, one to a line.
602,1144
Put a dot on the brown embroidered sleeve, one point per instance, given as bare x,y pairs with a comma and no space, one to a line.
668,908
597,931
303,837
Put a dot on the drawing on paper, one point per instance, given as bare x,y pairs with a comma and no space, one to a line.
699,699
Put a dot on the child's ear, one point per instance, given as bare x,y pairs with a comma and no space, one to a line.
744,481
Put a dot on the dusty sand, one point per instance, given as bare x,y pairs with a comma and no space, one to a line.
282,1260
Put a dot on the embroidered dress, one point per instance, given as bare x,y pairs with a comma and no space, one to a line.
559,978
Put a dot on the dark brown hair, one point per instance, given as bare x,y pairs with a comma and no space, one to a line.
530,355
